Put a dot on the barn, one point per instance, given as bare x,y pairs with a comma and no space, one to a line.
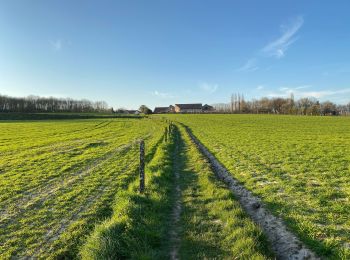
163,110
188,108
207,108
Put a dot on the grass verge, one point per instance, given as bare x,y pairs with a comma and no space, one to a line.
138,227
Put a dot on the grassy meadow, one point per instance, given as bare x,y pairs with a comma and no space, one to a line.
69,188
58,178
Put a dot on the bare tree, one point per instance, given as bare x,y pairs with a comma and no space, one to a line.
33,104
279,105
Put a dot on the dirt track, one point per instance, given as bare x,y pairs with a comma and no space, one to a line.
284,243
174,233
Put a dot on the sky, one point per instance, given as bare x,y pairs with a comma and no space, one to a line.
157,53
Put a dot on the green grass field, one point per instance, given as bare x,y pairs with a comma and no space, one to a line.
299,166
69,187
55,116
58,178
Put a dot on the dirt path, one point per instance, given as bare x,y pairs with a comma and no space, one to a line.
176,212
284,243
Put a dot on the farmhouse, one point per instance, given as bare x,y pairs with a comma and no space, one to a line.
188,108
184,108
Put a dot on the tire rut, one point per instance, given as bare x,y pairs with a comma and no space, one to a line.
284,243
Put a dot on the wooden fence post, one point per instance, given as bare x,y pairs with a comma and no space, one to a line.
166,134
142,166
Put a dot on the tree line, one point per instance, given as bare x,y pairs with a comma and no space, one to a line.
35,104
280,105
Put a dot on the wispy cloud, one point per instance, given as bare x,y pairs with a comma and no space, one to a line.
56,45
295,89
209,88
162,94
250,65
335,72
260,87
303,87
278,47
299,92
324,93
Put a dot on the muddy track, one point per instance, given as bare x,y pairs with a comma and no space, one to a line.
177,207
284,243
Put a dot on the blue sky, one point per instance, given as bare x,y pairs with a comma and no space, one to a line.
164,52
